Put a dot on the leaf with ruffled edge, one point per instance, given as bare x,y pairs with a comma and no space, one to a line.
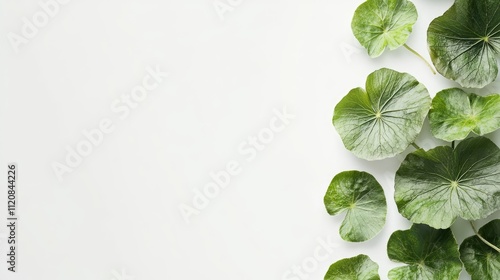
360,267
435,187
378,24
383,120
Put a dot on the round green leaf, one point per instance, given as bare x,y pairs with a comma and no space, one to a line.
363,198
378,24
455,114
385,119
431,254
465,41
480,260
435,187
360,267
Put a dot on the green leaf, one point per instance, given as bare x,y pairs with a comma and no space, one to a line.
455,114
363,198
464,42
360,267
378,24
431,254
480,260
435,187
385,119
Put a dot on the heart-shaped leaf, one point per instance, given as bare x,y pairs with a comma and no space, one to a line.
435,187
360,267
363,198
480,260
464,42
385,119
455,114
378,24
431,254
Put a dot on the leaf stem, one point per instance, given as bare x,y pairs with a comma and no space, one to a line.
482,238
453,145
416,146
421,57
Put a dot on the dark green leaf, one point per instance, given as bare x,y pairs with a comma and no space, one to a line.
464,42
480,260
431,254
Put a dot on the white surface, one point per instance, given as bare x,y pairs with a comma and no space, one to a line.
118,211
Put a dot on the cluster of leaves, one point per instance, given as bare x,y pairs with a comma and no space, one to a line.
432,187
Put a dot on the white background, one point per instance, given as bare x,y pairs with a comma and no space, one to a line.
116,215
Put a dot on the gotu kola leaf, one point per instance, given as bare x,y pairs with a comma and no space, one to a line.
465,41
385,119
455,114
378,24
360,267
431,254
481,261
363,198
435,187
